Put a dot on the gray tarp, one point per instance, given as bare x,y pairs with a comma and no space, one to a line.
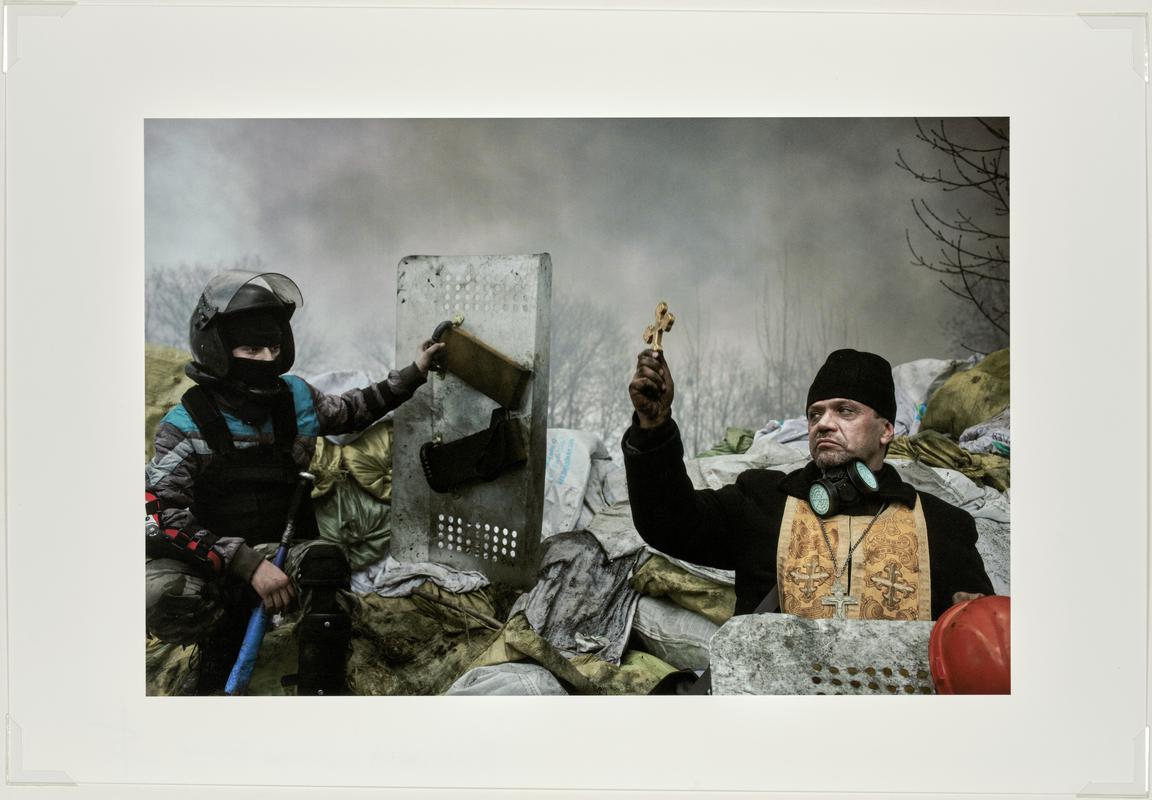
582,602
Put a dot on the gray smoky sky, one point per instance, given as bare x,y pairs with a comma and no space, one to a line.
700,212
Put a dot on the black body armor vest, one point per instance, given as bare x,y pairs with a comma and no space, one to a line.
246,492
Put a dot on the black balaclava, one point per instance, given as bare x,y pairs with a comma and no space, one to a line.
257,328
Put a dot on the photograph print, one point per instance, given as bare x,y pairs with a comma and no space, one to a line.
577,406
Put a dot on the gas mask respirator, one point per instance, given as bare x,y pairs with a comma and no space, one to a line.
840,487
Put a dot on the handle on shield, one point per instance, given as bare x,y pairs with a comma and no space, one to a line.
241,672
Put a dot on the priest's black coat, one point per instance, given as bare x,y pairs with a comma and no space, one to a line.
737,527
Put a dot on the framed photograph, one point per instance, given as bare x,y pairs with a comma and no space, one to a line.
784,182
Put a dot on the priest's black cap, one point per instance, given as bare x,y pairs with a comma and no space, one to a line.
855,375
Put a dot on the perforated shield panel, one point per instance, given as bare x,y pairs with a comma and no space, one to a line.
492,527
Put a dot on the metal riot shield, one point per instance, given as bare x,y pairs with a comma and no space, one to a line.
786,654
493,524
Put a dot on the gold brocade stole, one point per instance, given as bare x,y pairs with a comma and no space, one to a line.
889,574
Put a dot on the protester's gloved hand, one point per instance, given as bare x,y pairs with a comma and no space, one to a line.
652,389
274,586
426,354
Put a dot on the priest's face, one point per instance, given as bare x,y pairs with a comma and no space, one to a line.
840,430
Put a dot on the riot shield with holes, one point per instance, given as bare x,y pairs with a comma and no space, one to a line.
784,654
468,463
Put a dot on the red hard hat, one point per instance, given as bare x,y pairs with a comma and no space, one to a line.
970,650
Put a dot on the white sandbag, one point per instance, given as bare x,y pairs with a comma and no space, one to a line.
993,544
603,490
673,634
567,468
512,679
391,578
952,486
915,381
792,432
765,453
991,436
991,509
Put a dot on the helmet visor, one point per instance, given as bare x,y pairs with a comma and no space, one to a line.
221,292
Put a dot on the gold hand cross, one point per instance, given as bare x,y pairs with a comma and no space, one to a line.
654,332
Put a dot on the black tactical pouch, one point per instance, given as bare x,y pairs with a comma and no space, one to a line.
483,456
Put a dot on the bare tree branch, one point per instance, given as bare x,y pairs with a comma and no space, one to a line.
973,257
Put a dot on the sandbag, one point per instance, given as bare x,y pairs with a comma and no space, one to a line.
568,471
400,646
170,669
660,578
164,385
736,440
934,449
585,674
369,459
991,436
674,634
915,382
360,524
411,646
516,679
327,466
970,397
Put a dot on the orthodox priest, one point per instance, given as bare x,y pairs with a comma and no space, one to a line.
842,537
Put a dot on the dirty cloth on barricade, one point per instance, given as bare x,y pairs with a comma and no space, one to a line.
416,645
582,602
614,530
390,578
934,449
637,672
659,577
735,441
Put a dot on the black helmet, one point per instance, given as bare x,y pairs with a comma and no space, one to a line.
229,295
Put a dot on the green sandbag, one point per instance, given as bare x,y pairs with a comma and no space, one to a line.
661,578
410,646
969,398
170,670
356,521
164,385
327,466
735,441
369,459
934,449
585,674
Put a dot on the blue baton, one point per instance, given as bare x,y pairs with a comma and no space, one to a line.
258,623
